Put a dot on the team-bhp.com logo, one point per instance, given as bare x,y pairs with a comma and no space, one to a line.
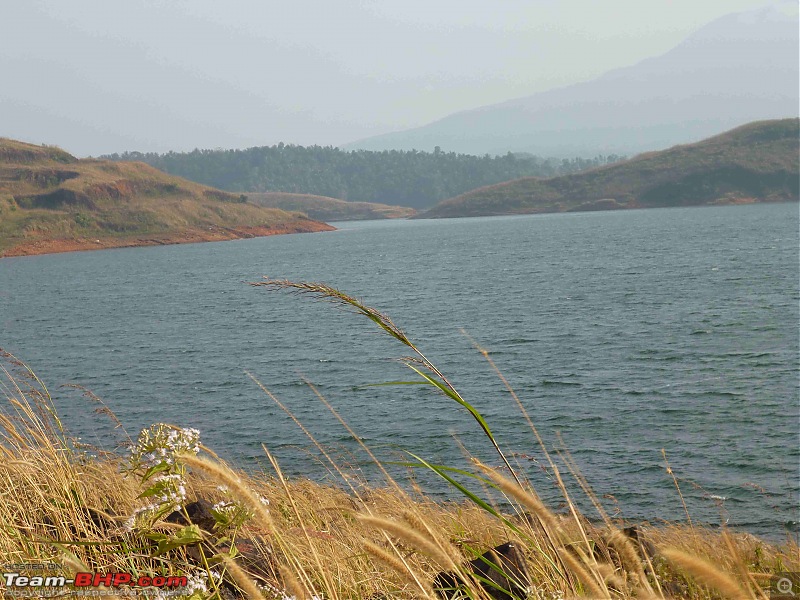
17,584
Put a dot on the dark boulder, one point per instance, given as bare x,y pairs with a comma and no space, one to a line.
647,551
200,514
501,571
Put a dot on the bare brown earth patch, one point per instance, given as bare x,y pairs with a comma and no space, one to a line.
191,236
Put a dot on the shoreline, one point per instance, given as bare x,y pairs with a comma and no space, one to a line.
603,205
38,247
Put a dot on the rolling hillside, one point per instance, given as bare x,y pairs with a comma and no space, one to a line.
51,201
323,208
757,162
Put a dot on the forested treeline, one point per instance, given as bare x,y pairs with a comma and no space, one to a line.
405,178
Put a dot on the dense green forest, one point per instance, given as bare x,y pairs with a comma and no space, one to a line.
404,178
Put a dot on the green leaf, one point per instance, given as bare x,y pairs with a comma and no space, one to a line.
190,534
446,468
187,536
151,491
441,473
163,511
162,466
450,393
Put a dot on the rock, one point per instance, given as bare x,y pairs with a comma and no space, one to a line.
647,551
501,571
200,514
257,558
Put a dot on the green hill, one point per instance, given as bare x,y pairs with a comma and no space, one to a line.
757,162
323,208
51,201
414,179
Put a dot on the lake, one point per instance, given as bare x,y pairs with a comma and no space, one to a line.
623,333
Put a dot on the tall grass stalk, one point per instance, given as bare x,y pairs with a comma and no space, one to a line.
419,363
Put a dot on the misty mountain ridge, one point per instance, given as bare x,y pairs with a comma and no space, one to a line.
739,68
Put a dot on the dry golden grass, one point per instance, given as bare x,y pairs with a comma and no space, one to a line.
319,545
313,540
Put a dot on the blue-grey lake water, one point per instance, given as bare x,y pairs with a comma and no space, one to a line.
623,333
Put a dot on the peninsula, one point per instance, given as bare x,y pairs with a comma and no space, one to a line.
325,208
51,201
753,163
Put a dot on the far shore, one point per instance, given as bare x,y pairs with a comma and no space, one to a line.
190,236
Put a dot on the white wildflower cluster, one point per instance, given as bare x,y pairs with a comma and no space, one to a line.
169,494
138,513
157,454
225,507
195,583
184,440
231,511
171,490
159,444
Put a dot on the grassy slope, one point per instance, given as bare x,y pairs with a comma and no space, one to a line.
324,208
73,510
753,163
51,201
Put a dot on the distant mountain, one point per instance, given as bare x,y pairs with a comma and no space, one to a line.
737,69
51,201
323,208
753,163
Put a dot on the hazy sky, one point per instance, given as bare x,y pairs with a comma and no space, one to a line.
97,76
